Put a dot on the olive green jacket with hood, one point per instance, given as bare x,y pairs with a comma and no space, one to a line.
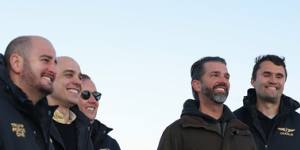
197,131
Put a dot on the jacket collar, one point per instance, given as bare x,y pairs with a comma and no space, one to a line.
192,117
287,104
99,131
191,107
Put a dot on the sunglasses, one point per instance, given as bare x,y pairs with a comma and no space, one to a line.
87,94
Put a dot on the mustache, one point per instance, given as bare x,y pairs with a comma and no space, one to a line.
221,85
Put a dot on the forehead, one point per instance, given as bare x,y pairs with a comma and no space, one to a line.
268,66
40,46
89,85
65,64
213,66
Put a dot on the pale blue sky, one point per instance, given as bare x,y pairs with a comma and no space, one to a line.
139,52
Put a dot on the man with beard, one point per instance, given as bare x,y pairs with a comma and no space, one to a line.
270,114
27,72
206,123
69,121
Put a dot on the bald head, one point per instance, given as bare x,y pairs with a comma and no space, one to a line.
66,63
22,46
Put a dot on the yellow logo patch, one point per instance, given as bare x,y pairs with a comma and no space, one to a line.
286,131
18,129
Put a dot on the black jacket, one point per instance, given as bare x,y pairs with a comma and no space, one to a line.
197,131
83,132
101,139
285,133
22,125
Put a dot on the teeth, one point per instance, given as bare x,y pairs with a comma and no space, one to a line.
73,91
220,89
272,88
91,108
46,78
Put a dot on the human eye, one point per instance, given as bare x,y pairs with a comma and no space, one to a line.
68,74
267,74
45,60
227,76
214,74
279,76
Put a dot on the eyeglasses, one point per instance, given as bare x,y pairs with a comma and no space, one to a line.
87,94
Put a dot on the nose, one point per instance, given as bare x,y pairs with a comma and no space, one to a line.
224,80
273,79
52,68
76,81
92,100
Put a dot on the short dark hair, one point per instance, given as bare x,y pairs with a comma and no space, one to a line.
85,77
279,61
197,69
18,45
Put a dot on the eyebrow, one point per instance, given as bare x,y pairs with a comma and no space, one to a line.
69,71
47,56
276,73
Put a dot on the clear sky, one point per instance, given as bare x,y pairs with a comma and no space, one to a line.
139,52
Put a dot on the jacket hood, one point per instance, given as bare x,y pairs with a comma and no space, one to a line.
287,104
8,84
191,107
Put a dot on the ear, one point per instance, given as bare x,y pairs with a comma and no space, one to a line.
196,85
252,82
16,62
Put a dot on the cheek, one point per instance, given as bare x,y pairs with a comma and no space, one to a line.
81,103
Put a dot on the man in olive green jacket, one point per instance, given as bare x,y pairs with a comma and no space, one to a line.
206,123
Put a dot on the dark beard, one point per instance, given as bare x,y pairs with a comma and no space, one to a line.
218,98
29,78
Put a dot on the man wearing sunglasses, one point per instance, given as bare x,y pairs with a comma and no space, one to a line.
88,104
70,122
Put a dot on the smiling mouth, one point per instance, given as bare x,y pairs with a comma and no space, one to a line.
48,76
72,90
271,88
90,109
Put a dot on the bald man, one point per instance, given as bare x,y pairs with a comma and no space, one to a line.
72,124
27,72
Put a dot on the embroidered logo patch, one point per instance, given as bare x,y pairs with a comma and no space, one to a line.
18,129
286,131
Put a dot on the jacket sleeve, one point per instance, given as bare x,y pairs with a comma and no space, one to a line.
115,145
167,141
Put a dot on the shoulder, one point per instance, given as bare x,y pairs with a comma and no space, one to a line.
111,143
294,117
242,113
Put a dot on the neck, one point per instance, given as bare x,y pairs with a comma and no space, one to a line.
268,109
210,108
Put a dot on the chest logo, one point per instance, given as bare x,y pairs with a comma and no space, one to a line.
18,129
286,131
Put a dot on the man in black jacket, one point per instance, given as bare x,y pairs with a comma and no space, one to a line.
70,122
269,113
88,104
27,72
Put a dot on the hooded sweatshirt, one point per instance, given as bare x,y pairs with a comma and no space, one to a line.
283,130
195,130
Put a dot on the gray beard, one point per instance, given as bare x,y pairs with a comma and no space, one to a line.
219,98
